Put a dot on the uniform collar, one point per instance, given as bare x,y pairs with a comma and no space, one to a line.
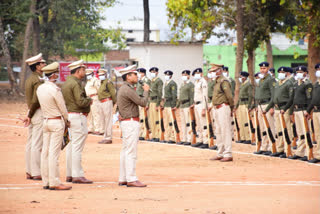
128,84
154,79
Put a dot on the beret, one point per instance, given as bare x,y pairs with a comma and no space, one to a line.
264,64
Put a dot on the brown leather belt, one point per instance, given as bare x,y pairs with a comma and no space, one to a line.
220,105
105,100
132,119
54,118
92,95
81,113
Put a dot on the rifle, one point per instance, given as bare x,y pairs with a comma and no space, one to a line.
312,129
258,144
66,138
286,135
146,123
237,126
193,126
308,137
209,125
295,135
162,130
175,124
269,132
252,130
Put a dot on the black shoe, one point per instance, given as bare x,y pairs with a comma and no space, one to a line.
197,144
156,140
214,137
305,158
277,154
239,141
163,141
253,144
294,147
314,142
267,153
171,142
294,157
180,143
247,142
204,146
314,160
45,187
141,138
187,144
213,147
259,152
283,156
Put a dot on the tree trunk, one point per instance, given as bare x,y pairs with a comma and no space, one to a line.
27,35
146,35
7,56
240,46
269,53
36,36
313,55
250,64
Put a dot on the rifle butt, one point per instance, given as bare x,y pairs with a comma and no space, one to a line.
274,149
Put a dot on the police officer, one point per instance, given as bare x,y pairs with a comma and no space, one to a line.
315,107
201,103
282,92
226,75
78,106
222,101
94,117
186,100
128,102
107,97
243,104
211,82
264,92
55,115
301,99
154,106
170,102
145,80
34,118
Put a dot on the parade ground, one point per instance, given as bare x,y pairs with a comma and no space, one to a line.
180,179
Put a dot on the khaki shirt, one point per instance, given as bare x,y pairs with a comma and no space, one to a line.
32,83
92,86
75,96
51,101
107,90
129,100
222,92
201,92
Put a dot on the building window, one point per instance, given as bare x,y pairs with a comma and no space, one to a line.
130,39
130,31
301,42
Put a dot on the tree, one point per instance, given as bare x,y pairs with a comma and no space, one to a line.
146,34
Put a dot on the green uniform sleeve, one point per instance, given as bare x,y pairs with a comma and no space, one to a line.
309,88
289,104
112,91
34,102
80,97
159,90
250,95
174,89
191,94
226,86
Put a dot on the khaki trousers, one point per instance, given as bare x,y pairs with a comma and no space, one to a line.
186,129
243,123
316,125
154,120
223,131
169,134
52,139
302,143
281,141
78,132
128,154
95,116
265,144
34,144
107,108
201,123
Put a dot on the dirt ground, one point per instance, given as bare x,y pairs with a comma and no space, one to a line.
180,179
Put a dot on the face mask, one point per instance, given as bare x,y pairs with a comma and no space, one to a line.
102,77
167,78
318,73
240,79
225,74
139,76
281,76
257,81
299,76
209,75
261,76
153,75
197,76
213,75
184,78
89,77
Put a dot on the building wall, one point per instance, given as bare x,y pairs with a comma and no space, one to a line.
137,35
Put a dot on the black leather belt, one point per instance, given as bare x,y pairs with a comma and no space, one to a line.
244,99
210,98
154,98
264,101
184,101
300,107
316,109
279,105
197,103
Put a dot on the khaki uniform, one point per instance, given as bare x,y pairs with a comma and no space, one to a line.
78,106
282,92
95,119
128,102
170,96
222,101
200,100
107,97
155,99
141,109
35,130
245,100
186,99
55,116
264,93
